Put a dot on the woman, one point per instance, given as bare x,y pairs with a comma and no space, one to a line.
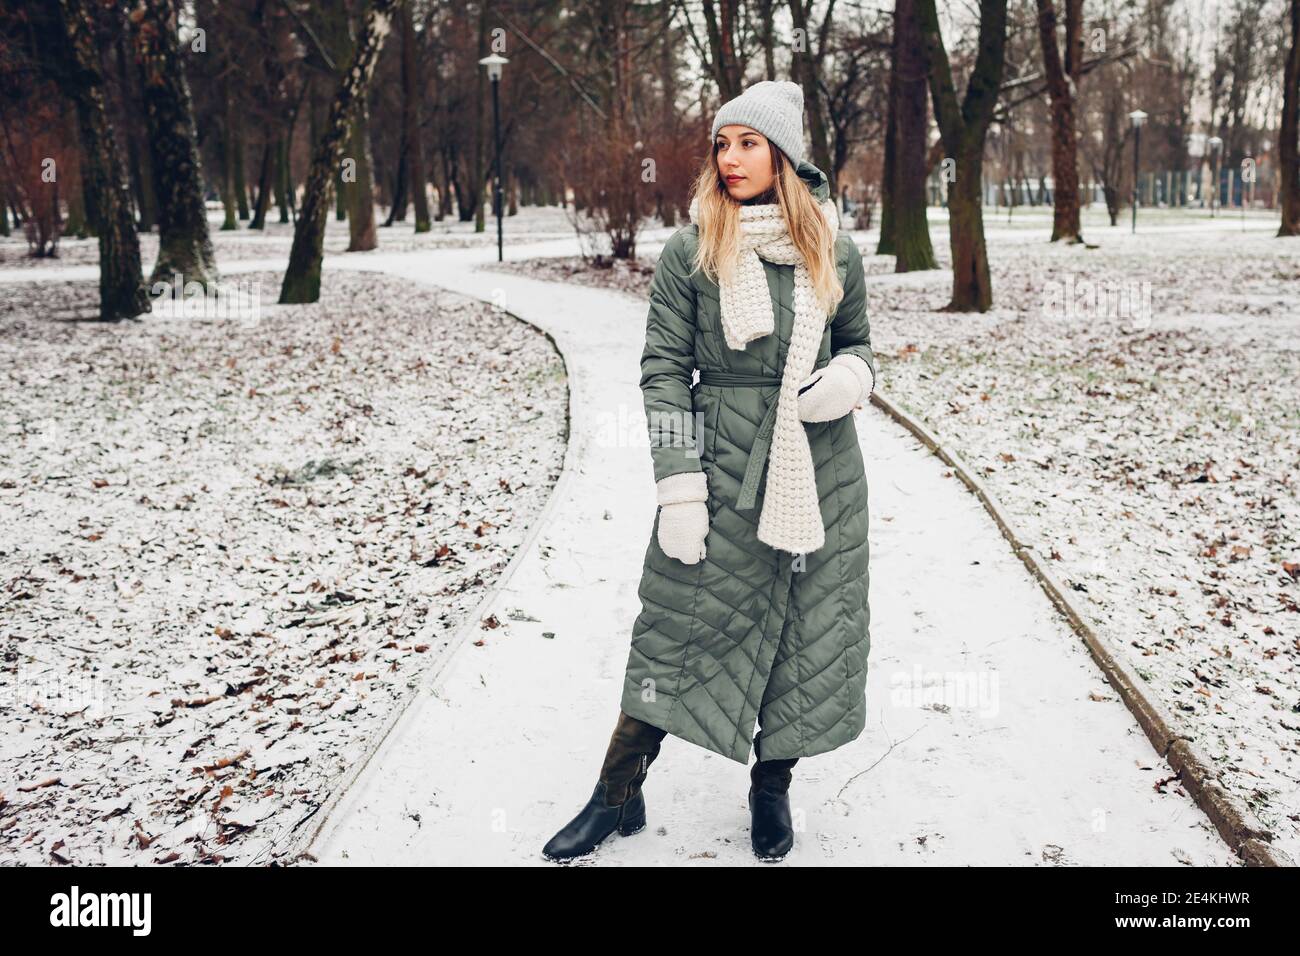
754,589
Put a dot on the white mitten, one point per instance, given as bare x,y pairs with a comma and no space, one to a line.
684,516
835,389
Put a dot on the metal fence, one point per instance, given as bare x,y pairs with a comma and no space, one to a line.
1247,184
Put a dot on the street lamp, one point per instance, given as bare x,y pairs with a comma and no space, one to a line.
1137,118
1216,147
494,64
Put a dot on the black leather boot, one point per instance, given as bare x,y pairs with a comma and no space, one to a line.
617,802
771,830
597,820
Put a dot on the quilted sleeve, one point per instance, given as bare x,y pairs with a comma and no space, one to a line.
667,364
850,328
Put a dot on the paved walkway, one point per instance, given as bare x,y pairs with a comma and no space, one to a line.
991,738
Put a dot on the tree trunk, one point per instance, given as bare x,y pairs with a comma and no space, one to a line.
1288,150
412,90
720,27
340,207
806,69
442,181
227,181
77,226
1062,80
269,178
361,192
767,32
263,202
480,173
302,279
963,128
397,211
911,230
183,245
121,283
11,206
469,197
227,188
237,165
139,161
972,290
885,247
282,179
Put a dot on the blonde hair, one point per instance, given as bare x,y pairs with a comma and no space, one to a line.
719,226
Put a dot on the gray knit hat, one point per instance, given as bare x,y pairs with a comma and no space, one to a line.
774,108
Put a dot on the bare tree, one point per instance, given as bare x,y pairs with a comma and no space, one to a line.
1062,86
909,231
806,67
121,282
1288,151
184,246
413,143
722,20
302,279
963,127
361,187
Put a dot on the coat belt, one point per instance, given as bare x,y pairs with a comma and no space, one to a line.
762,441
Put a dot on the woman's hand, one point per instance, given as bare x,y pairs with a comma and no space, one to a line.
835,390
684,515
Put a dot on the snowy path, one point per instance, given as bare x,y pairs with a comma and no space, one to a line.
1022,768
991,738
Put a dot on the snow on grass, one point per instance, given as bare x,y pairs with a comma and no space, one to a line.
231,546
1154,457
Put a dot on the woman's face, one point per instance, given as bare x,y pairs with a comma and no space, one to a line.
744,161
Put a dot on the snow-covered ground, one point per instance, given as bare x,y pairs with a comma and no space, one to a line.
230,547
1154,454
1147,438
1054,771
992,740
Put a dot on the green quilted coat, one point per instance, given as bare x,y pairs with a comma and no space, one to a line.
751,633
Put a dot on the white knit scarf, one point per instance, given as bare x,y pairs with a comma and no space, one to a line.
791,519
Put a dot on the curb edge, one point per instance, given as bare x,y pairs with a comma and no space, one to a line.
1184,759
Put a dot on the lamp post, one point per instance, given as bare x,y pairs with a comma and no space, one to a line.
494,64
1216,147
1137,118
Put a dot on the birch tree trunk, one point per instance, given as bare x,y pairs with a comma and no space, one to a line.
302,278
